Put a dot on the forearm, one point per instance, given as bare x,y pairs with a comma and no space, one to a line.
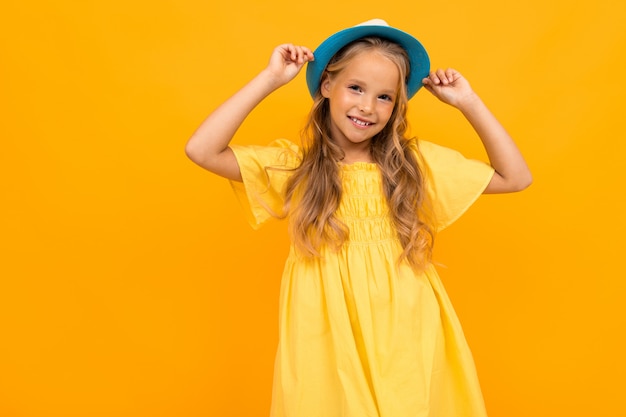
211,139
208,146
504,156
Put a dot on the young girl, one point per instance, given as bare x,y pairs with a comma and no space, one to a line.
366,328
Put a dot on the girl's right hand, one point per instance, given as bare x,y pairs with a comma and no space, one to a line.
286,62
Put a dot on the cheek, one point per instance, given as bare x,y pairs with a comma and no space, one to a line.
386,113
339,103
342,100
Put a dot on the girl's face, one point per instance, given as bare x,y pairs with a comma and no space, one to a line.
361,98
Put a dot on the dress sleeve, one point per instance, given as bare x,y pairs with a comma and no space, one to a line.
455,182
264,170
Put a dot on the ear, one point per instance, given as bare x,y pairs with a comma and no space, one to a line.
325,85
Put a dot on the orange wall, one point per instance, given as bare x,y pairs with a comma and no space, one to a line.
131,284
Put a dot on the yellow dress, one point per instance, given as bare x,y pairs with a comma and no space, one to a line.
360,335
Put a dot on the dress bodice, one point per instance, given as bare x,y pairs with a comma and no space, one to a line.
363,206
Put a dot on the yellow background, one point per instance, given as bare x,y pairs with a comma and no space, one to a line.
131,284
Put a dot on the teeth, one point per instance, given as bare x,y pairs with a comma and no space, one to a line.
360,122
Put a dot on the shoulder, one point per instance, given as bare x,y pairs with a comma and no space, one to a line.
441,159
448,168
284,144
453,181
431,152
428,155
287,147
279,153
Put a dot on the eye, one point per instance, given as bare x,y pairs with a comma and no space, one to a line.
356,88
386,97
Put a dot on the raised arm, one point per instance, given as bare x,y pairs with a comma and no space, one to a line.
208,146
512,173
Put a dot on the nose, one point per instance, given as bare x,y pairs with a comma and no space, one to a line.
367,104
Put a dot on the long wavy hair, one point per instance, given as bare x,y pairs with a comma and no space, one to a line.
314,190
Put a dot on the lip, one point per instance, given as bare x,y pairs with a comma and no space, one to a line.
360,123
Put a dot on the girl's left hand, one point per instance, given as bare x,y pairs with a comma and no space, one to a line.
448,86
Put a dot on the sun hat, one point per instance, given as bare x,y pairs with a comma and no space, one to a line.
418,58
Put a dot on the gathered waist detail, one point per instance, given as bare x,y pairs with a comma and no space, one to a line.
373,229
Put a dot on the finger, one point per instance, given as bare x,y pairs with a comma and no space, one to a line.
286,50
452,74
308,53
433,79
441,74
304,54
294,52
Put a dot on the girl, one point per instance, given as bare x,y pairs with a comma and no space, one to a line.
366,328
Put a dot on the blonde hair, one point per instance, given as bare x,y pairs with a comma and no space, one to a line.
314,190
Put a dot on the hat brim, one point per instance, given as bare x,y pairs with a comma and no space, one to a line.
418,57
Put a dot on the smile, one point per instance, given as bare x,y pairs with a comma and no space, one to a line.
360,122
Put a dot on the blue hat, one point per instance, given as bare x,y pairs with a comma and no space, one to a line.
418,58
